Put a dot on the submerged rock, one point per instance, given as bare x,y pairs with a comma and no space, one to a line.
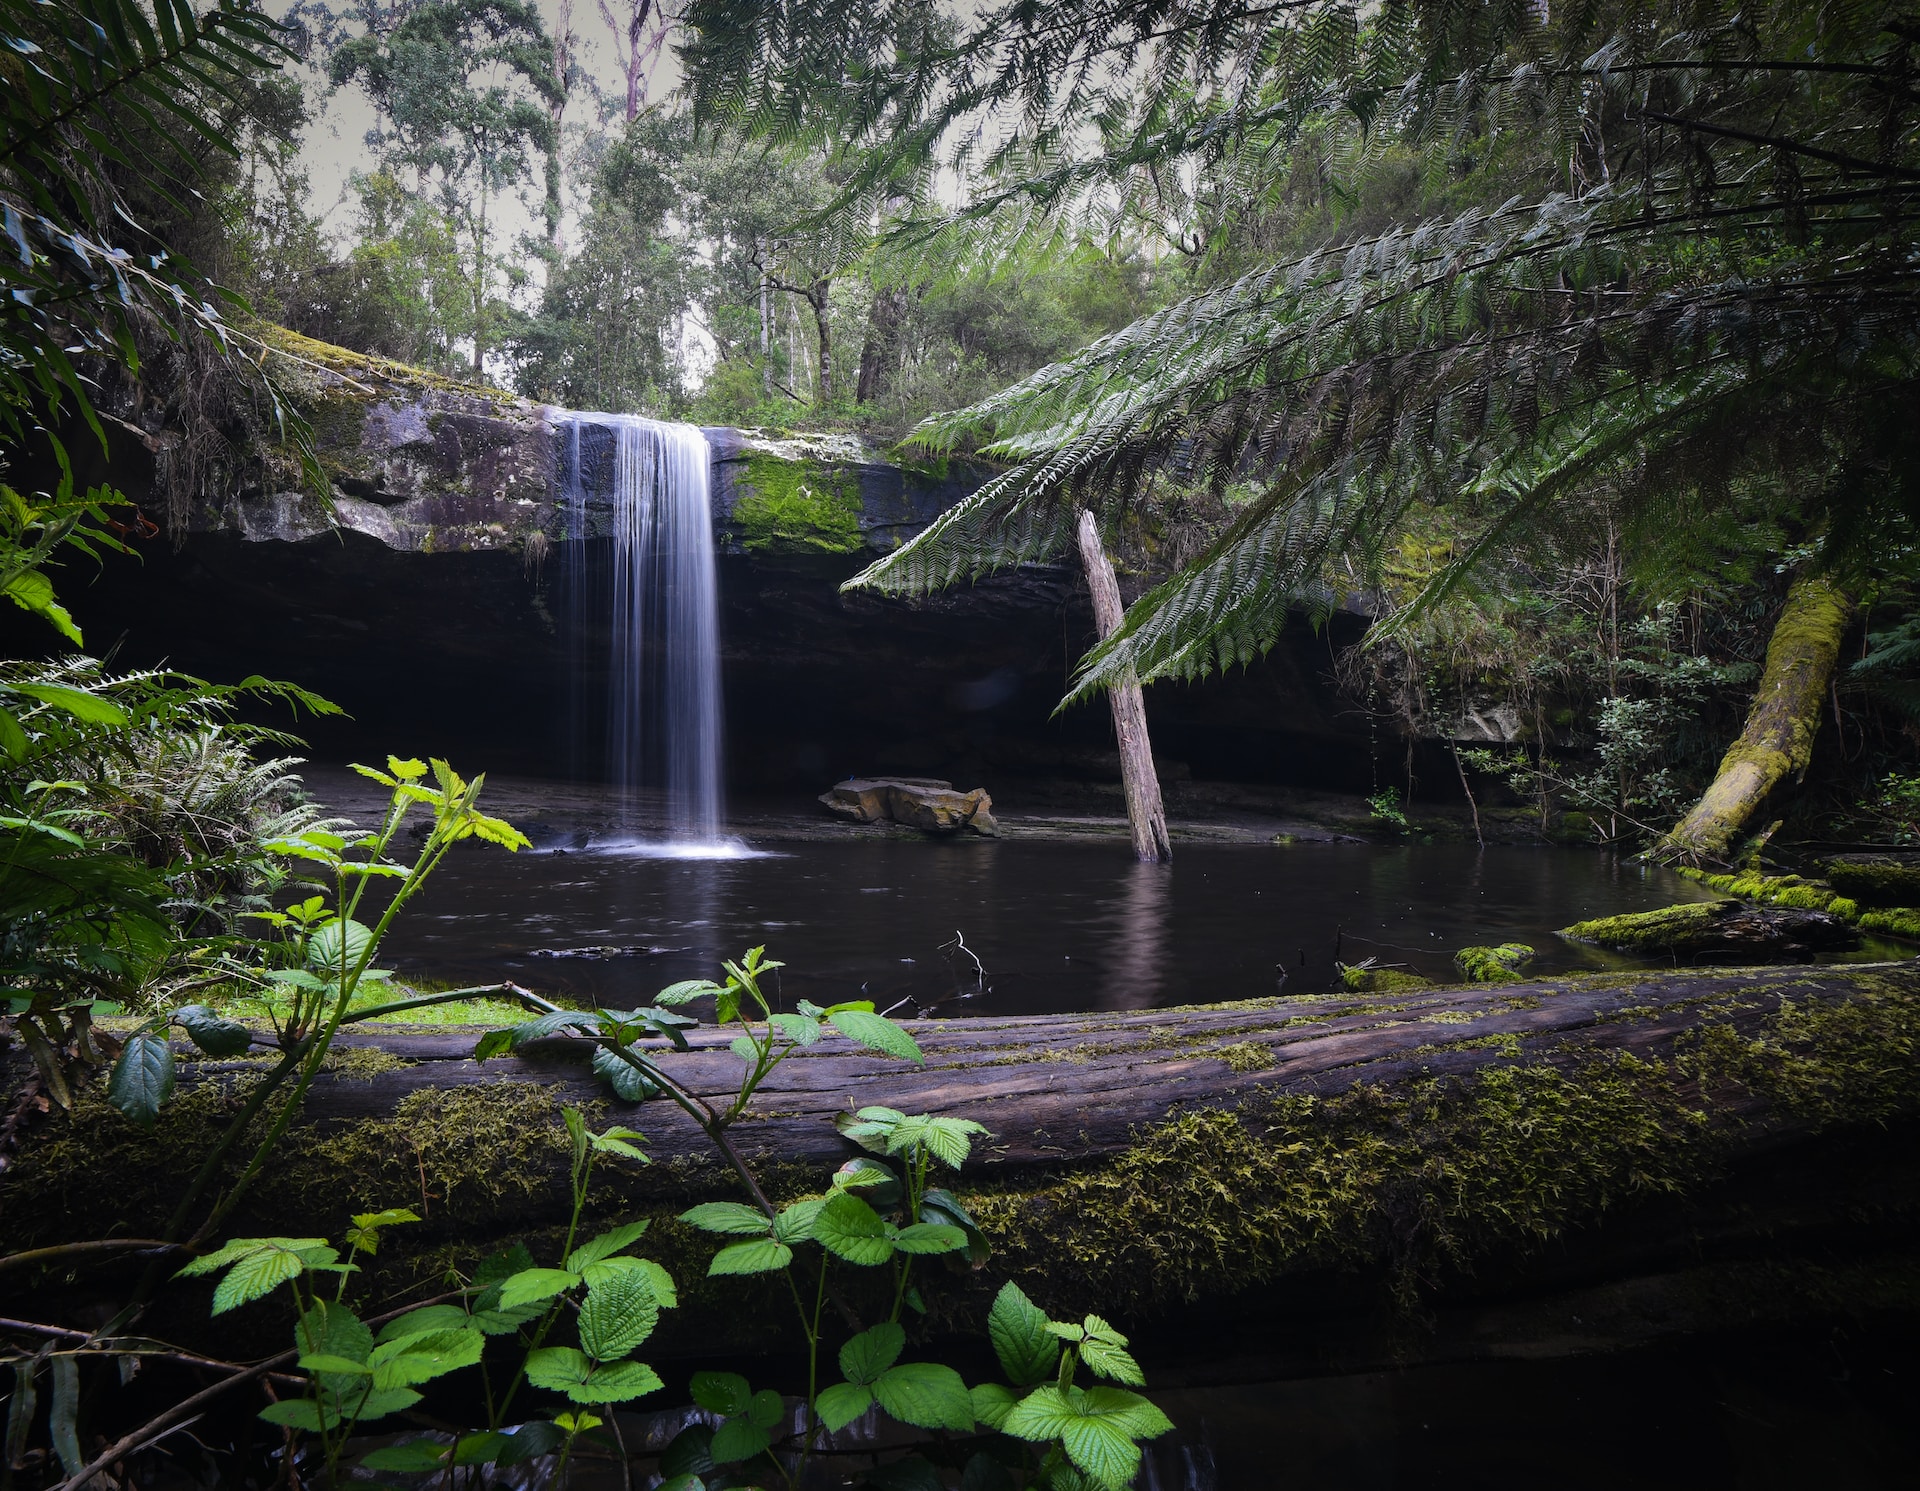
925,803
1720,929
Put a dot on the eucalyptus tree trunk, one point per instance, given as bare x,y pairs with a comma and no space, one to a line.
1146,817
1781,725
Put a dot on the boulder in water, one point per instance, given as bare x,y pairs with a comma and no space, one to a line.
918,802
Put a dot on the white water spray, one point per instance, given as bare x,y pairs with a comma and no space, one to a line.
663,709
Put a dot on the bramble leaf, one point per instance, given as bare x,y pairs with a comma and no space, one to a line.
726,1217
877,1033
762,1255
870,1353
532,1285
926,1394
617,1315
724,1393
842,1403
847,1226
1028,1351
738,1439
605,1245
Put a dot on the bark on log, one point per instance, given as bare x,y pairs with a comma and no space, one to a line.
1781,725
1146,816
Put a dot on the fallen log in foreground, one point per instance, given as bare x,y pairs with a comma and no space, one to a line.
1138,1161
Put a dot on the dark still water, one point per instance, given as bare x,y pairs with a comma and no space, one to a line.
1055,926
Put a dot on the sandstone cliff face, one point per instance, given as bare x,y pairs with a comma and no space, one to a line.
422,464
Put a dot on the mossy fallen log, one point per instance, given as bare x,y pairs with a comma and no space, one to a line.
1721,931
1139,1161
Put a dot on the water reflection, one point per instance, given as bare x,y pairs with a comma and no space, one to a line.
1055,927
1138,937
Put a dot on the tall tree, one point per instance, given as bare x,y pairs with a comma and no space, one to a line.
470,89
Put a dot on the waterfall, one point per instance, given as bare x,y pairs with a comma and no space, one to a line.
663,704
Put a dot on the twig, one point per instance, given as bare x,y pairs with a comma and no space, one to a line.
101,1245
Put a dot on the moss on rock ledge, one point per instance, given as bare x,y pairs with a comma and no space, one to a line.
806,505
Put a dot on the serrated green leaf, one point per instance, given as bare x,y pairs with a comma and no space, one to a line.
686,991
766,1409
558,1369
725,1393
333,1366
992,1402
629,1083
927,1395
263,1270
930,1237
736,1440
617,1315
842,1403
796,1028
618,1382
1028,1351
877,1033
761,1255
419,1322
142,1078
870,1353
795,1222
421,1358
618,1240
850,1228
731,1217
877,1184
532,1285
493,1043
948,1140
324,950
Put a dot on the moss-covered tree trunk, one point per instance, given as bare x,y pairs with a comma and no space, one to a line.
1781,725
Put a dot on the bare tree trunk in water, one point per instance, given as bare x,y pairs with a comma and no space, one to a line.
1146,817
1781,725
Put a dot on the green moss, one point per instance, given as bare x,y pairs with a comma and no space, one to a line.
1246,1056
1493,965
798,505
1876,882
1645,931
1779,890
1422,1180
1901,921
1366,980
